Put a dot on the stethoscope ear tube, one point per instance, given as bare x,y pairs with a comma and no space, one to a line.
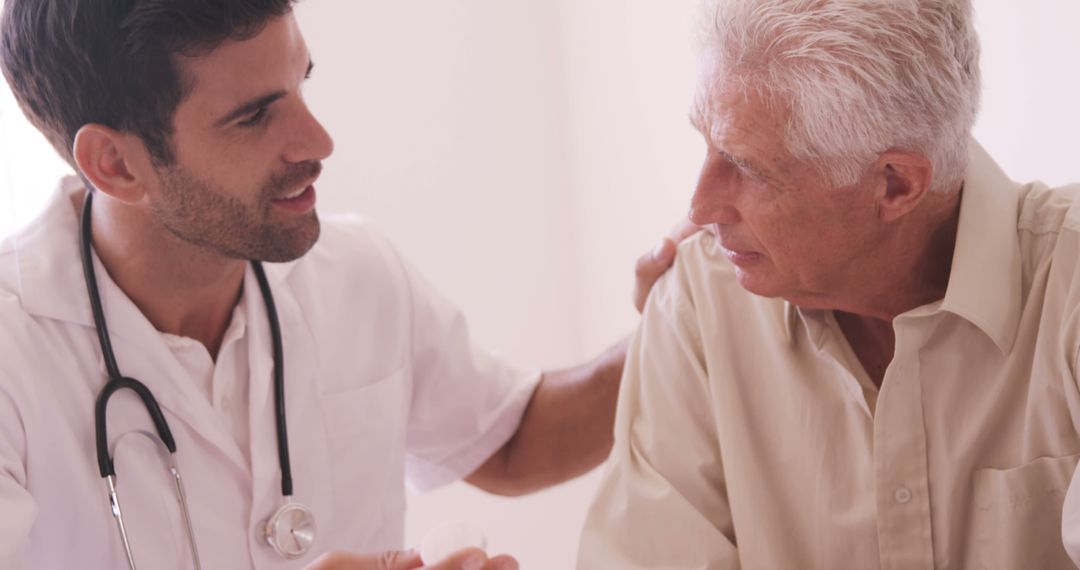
91,286
105,463
116,381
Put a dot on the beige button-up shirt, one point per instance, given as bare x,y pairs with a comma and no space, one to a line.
749,436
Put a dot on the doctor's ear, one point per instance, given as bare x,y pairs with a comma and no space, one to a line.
903,179
107,158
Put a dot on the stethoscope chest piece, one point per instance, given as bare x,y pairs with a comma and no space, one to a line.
290,531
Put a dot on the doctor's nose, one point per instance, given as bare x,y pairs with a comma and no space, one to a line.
310,141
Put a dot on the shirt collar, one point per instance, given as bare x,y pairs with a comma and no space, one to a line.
985,280
51,282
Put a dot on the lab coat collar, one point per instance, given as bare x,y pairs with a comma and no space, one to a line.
985,280
51,283
52,286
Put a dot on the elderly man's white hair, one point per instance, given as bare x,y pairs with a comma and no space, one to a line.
859,76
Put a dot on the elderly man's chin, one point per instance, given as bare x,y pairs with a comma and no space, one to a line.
759,280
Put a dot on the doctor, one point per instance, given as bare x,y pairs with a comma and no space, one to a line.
299,393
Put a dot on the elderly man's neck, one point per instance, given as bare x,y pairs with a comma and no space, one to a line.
182,289
912,270
908,267
916,263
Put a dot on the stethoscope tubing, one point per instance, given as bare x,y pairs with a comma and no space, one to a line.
279,380
118,382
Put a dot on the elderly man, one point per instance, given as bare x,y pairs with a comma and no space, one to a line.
870,361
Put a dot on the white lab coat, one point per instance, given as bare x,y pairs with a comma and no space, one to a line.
382,385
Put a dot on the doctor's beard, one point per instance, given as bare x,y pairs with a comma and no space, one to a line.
201,213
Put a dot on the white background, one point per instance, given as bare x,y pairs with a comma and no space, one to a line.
523,153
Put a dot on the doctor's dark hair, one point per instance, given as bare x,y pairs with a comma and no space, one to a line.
115,62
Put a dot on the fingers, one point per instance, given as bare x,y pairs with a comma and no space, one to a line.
385,561
502,562
474,559
685,229
402,560
468,559
655,263
649,268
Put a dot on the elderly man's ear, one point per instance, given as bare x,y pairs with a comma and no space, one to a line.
902,180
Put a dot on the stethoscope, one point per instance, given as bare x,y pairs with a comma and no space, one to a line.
290,531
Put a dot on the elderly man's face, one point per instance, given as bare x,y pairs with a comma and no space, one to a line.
786,230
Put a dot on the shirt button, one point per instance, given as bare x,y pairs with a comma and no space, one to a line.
902,495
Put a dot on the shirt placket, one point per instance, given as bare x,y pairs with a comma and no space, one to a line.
900,465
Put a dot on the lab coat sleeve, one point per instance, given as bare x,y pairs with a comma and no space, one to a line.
17,507
466,402
663,501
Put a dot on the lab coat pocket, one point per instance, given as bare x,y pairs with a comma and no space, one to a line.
365,432
371,407
1017,518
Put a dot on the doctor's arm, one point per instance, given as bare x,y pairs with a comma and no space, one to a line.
567,427
565,432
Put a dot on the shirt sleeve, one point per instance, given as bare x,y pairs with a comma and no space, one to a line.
663,499
1070,522
1070,518
466,402
16,504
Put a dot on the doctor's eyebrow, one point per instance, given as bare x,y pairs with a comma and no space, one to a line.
252,105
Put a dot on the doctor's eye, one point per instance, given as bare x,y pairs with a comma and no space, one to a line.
255,119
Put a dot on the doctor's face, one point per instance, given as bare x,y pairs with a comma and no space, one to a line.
786,230
247,150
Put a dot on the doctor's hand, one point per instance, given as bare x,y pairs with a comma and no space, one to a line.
655,263
468,559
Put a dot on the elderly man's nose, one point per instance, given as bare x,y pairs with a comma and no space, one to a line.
709,206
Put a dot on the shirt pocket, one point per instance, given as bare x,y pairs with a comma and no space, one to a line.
1017,519
365,434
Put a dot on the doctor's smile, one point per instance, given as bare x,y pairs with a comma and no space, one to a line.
300,201
295,191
